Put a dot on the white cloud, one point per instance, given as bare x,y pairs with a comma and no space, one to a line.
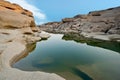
36,12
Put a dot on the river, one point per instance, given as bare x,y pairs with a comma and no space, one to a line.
74,60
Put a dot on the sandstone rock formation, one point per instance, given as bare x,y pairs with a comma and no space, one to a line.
15,17
15,8
17,30
98,22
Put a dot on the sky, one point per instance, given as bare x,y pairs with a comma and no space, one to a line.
55,10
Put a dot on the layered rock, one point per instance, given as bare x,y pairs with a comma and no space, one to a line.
105,22
15,17
15,8
17,31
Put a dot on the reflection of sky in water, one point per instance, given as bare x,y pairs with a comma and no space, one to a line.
57,55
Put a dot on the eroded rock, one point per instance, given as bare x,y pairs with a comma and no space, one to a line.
104,21
17,30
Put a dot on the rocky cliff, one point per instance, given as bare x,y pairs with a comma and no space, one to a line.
14,20
104,22
17,31
14,16
15,8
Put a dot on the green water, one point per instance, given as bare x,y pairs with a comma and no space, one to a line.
74,60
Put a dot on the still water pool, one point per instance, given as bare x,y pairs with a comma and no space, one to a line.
72,60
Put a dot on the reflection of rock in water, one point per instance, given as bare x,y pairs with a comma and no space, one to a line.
30,48
44,62
81,74
115,46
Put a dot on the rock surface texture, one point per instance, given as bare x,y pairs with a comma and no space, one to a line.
17,31
104,23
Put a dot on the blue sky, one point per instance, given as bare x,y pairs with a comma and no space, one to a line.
55,10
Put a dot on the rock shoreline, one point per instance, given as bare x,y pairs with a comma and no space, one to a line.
18,29
12,48
10,55
102,25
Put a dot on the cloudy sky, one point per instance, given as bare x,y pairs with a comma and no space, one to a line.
55,10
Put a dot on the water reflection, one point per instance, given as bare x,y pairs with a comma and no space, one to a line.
71,60
115,46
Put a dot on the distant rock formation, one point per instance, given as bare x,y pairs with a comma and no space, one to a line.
105,22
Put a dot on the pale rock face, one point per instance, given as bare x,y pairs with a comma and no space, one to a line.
27,30
12,16
11,19
17,30
44,35
106,21
15,8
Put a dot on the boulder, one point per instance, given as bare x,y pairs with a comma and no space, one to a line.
44,35
35,29
26,30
